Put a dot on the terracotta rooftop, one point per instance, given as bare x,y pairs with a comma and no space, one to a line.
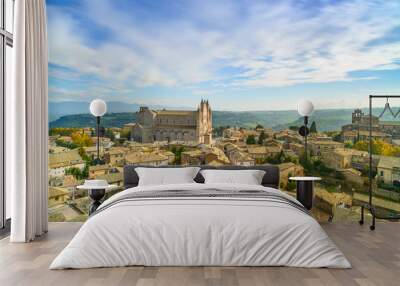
64,159
389,162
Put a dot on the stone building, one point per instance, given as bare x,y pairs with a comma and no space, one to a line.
287,170
59,162
318,147
174,125
337,159
360,123
148,159
389,170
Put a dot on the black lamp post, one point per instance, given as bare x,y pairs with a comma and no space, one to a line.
305,108
98,108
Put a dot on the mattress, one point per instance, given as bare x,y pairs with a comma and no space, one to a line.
201,225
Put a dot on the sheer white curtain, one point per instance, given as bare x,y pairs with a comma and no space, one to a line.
27,123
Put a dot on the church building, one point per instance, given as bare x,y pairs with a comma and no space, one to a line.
174,125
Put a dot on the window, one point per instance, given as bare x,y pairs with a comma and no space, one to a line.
6,43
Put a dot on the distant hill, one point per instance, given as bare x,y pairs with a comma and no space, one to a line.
326,119
59,109
276,119
250,119
86,120
334,119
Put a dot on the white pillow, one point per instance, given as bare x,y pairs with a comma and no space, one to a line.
166,176
248,177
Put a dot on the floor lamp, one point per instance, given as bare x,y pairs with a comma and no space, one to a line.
305,108
98,108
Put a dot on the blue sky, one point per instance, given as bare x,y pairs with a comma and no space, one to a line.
240,55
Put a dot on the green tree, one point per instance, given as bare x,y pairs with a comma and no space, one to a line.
261,138
313,128
62,131
65,144
336,137
81,139
291,185
280,158
78,173
251,140
348,144
84,156
259,126
178,154
126,134
109,134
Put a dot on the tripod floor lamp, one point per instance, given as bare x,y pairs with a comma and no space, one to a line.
98,108
305,108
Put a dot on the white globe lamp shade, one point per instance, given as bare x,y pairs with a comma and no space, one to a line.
98,107
305,108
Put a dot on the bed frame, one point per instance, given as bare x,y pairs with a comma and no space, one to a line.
270,179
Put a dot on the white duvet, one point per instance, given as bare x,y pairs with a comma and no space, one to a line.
200,231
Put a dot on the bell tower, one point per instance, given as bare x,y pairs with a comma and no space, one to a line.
204,123
357,116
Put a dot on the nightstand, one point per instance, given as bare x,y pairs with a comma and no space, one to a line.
97,191
305,190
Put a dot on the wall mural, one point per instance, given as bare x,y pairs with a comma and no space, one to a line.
217,83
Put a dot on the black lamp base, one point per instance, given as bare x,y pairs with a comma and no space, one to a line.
305,193
96,195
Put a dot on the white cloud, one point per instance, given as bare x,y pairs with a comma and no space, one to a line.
268,45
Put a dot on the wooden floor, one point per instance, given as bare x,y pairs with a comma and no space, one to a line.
375,257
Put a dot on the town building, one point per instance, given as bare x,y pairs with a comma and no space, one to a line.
389,170
91,151
260,153
352,176
355,136
116,156
170,155
317,147
57,196
287,170
204,156
174,125
58,162
297,148
360,161
232,132
192,157
217,156
144,158
98,170
113,178
337,159
360,122
238,157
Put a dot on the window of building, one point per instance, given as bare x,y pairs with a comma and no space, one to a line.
6,43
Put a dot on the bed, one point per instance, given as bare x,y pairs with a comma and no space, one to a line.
197,224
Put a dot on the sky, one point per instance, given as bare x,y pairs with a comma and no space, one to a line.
240,55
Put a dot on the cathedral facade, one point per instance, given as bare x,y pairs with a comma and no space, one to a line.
173,125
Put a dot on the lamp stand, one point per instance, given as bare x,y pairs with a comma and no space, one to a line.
98,139
305,137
